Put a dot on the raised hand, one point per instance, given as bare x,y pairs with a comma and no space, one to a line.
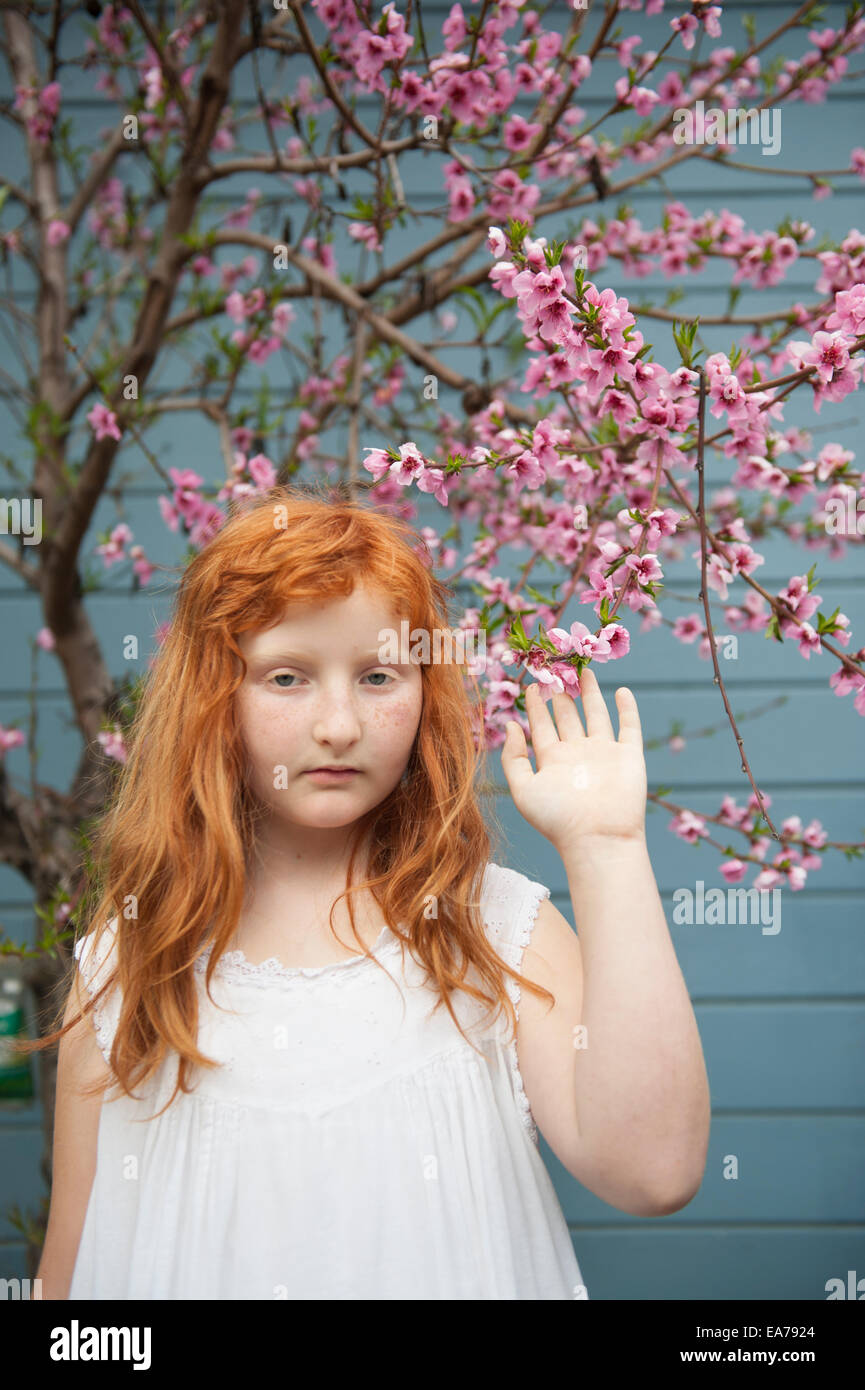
588,784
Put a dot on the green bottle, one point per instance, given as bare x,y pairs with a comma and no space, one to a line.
16,1077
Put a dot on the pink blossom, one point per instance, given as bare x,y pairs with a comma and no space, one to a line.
242,436
378,463
462,199
497,242
141,566
804,634
112,549
688,826
170,515
103,422
235,307
558,677
687,629
768,878
732,814
433,480
578,641
57,232
261,348
113,743
618,641
185,478
645,567
685,26
602,587
262,471
814,834
10,738
512,197
526,470
848,316
503,276
798,597
365,232
519,133
642,99
718,575
45,639
283,316
49,98
733,870
826,351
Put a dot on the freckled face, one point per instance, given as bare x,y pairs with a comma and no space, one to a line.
316,694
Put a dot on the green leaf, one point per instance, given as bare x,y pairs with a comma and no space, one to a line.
517,638
825,624
536,594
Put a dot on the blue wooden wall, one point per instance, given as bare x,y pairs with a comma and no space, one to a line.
782,1017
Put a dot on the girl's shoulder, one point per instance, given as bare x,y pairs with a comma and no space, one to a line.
509,905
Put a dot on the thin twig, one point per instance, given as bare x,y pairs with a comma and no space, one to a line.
704,596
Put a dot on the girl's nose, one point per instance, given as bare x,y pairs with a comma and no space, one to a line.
337,716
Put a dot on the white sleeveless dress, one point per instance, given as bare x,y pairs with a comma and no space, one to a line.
351,1146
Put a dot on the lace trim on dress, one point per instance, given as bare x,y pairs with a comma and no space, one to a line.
90,962
535,895
504,898
234,965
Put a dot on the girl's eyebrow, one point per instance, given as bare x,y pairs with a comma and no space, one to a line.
371,655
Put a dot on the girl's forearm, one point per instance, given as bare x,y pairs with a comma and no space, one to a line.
642,1091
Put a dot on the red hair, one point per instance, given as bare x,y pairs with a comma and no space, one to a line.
176,836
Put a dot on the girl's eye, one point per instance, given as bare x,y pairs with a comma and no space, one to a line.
289,676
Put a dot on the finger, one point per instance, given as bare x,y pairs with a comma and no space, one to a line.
568,721
543,730
630,729
515,757
598,721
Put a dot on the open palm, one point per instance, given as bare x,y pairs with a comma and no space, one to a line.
588,783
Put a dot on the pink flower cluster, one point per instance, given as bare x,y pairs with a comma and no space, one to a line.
112,552
790,865
113,743
252,341
586,339
40,124
201,519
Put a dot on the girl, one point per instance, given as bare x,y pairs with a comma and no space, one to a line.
259,1108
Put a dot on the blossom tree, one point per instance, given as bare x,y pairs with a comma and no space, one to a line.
601,470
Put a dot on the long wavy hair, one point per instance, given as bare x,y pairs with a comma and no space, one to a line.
178,830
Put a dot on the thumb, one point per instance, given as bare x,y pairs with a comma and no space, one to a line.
515,757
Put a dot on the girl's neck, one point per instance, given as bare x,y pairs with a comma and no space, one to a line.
274,869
